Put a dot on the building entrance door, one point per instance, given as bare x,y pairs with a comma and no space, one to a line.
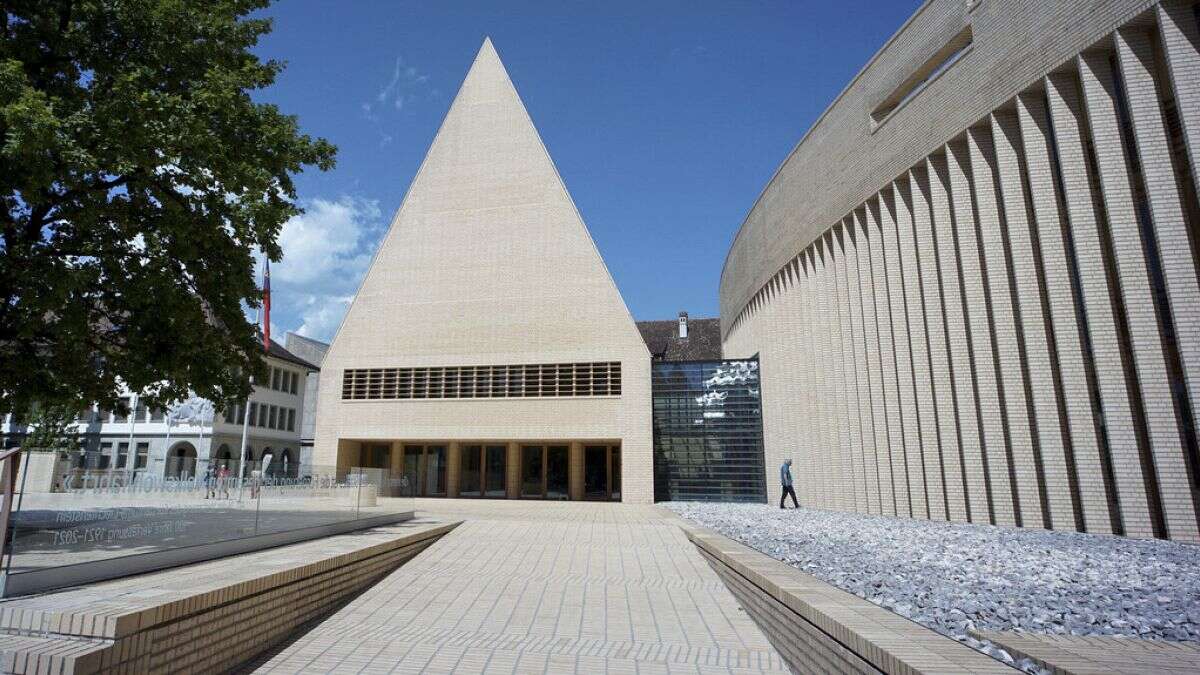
602,472
544,471
425,465
482,471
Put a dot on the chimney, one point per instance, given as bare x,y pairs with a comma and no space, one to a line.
683,325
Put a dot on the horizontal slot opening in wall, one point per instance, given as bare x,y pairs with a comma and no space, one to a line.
537,380
940,62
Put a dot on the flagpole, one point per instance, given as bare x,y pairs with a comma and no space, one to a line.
130,452
245,432
246,412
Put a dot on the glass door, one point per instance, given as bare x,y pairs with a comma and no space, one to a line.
556,472
495,461
595,472
471,474
434,484
411,468
533,471
602,472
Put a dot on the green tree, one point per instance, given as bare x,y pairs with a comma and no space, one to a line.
138,176
52,428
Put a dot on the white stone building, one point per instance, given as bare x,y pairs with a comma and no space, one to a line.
147,440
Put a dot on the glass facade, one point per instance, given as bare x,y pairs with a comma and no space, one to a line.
708,431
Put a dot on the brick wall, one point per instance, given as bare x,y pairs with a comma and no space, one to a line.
994,286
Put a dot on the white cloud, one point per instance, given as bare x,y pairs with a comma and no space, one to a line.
326,252
405,85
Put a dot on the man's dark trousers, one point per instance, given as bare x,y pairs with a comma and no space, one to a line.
788,490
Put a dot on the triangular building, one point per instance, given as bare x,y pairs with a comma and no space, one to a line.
488,351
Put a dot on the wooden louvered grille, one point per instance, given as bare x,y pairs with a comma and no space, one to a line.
602,378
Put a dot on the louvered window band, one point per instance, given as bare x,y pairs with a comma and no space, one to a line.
538,380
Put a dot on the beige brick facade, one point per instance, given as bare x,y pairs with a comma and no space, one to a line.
488,263
1014,222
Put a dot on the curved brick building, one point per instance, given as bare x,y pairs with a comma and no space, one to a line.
973,286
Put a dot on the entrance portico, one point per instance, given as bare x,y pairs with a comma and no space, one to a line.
497,469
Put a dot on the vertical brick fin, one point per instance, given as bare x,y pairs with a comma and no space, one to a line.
836,471
1177,476
1038,350
958,340
924,397
814,468
866,268
849,483
852,237
1129,508
1081,443
819,420
944,408
802,333
987,392
850,368
1179,30
832,416
889,213
1017,460
782,399
887,360
1156,409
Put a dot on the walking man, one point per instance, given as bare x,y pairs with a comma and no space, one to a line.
785,477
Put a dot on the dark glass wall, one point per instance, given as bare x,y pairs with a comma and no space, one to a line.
708,431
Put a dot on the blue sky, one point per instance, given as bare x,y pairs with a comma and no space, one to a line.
665,120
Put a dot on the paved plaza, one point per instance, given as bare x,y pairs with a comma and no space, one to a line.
541,587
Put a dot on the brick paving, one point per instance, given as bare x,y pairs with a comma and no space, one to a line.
526,587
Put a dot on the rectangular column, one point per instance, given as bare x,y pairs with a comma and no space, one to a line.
1180,35
887,358
453,468
939,292
862,372
1046,426
849,385
1021,445
1178,477
798,436
890,207
975,299
1164,463
395,458
1086,217
840,419
575,470
817,481
778,442
866,269
512,470
908,202
1082,449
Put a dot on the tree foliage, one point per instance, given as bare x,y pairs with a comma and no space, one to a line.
138,176
52,428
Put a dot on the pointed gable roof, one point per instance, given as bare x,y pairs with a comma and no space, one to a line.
487,259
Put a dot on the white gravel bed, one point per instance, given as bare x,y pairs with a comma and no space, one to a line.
955,577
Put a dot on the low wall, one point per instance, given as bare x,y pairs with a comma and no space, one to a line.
210,617
817,627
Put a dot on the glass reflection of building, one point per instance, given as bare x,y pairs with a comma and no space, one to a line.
708,431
